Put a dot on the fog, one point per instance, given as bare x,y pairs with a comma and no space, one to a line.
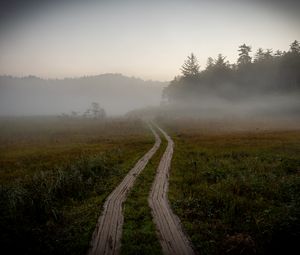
260,106
121,95
129,57
262,85
115,93
284,110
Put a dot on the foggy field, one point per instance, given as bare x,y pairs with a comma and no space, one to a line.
140,127
55,175
234,185
237,192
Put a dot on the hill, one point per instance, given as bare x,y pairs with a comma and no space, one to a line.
116,93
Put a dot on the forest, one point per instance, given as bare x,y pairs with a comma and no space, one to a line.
268,72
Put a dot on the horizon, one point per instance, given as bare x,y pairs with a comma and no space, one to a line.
80,77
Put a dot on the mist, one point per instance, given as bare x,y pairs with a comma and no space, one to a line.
260,85
115,93
149,127
58,57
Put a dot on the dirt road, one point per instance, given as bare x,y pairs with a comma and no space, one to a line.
171,235
107,235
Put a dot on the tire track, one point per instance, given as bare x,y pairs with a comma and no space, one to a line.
171,235
106,238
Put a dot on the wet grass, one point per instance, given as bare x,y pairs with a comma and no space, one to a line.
238,193
52,190
139,234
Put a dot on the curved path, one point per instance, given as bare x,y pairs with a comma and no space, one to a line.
171,235
106,238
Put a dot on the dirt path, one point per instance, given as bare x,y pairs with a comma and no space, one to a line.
171,235
106,238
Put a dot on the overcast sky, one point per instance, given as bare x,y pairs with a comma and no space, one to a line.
147,39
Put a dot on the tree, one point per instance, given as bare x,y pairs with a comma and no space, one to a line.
209,63
262,55
278,53
265,72
97,111
295,47
217,72
268,54
190,68
220,62
259,55
244,57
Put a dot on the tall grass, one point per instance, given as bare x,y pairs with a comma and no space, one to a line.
55,176
28,205
238,193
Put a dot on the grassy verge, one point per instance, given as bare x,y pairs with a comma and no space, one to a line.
139,234
50,199
238,193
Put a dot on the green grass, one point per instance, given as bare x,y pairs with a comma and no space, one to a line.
29,145
139,234
52,191
238,193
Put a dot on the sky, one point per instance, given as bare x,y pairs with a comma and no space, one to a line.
146,39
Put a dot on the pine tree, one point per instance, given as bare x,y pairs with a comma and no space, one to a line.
295,47
268,54
259,55
220,62
244,57
190,68
209,63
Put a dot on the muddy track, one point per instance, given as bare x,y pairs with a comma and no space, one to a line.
106,238
171,235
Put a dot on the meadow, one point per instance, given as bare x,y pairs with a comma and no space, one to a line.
234,185
236,188
55,175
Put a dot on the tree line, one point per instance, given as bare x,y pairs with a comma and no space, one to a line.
266,72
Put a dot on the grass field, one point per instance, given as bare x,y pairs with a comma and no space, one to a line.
236,188
237,192
55,175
